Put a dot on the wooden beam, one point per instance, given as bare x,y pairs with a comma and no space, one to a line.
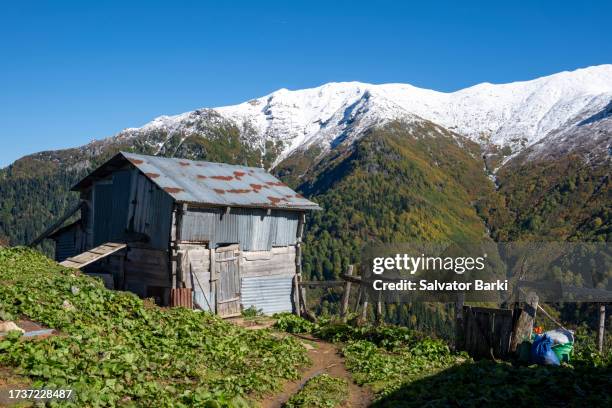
93,255
300,229
180,274
379,311
296,295
359,280
353,279
307,314
359,295
213,278
298,260
346,295
56,224
459,321
303,307
322,283
300,290
602,324
364,307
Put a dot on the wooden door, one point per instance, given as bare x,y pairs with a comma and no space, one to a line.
103,212
195,271
486,332
227,274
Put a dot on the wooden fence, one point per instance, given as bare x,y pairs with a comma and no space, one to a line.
482,332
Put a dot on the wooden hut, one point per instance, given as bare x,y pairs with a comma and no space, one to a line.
214,236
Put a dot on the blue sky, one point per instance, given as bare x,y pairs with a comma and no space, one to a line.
75,71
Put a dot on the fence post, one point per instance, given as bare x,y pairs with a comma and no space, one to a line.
346,295
602,323
459,323
364,306
524,324
358,302
379,312
307,314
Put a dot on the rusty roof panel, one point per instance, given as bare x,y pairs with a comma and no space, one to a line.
218,183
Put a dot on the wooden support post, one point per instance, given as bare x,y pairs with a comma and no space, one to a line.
346,295
359,295
602,323
180,274
174,242
459,322
56,225
121,283
524,325
307,314
296,295
301,295
302,289
213,277
379,311
305,310
364,308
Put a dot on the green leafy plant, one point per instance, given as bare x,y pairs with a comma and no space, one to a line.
291,323
586,353
116,349
322,391
252,312
385,371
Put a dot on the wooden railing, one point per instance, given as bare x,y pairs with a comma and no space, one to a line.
508,336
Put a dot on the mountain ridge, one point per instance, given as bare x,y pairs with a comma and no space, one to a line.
515,115
298,134
510,117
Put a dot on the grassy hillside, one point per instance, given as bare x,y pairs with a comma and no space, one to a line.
404,368
397,184
556,199
114,349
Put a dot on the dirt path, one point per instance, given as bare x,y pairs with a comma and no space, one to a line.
325,360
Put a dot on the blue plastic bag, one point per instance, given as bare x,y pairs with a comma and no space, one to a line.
542,353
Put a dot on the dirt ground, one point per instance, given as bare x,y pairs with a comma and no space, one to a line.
325,360
10,381
254,323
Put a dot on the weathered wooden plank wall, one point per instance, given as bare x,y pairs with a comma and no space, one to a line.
277,261
487,332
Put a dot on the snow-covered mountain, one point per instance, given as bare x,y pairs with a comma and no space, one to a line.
552,174
517,115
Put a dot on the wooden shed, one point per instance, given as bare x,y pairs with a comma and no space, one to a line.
214,236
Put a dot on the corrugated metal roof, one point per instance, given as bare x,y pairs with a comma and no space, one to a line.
218,184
